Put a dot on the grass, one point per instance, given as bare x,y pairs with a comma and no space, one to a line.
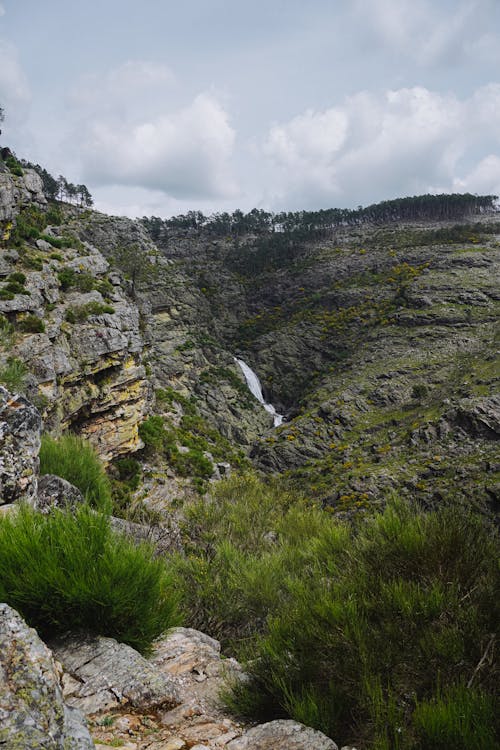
72,572
74,459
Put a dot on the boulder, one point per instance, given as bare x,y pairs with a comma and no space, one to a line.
56,492
480,416
20,426
282,734
102,673
33,714
165,537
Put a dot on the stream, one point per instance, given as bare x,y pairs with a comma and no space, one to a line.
255,388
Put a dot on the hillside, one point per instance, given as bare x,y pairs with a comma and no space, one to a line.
375,334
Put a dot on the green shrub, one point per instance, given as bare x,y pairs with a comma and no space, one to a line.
31,324
57,242
459,717
82,312
14,166
379,620
71,572
15,287
13,374
66,278
18,277
338,622
6,294
152,432
32,261
129,471
74,459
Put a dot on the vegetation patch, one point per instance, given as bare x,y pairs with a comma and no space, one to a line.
74,459
80,313
83,576
350,629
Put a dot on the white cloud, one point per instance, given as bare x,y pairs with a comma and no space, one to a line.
431,33
15,93
377,146
182,153
133,128
2,10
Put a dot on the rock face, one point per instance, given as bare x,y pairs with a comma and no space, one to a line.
20,426
33,715
18,192
74,328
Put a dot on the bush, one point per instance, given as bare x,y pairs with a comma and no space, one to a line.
344,629
15,287
66,278
459,717
74,459
82,312
378,621
17,276
129,471
71,572
13,375
31,324
14,166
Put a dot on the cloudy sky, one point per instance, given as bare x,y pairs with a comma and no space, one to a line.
160,106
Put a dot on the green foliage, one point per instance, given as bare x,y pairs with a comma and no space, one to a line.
31,324
18,277
129,471
6,294
60,242
461,718
82,312
15,287
14,166
74,459
13,374
160,440
82,576
83,281
66,278
339,622
232,577
29,224
152,432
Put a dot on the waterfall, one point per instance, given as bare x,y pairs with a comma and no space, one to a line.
255,389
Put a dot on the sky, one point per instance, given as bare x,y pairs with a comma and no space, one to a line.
161,107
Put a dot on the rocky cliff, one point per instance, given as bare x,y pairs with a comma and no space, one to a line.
68,324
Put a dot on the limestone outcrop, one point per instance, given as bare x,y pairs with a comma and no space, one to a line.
66,317
33,714
17,192
20,426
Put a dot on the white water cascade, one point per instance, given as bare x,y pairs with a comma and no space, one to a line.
255,388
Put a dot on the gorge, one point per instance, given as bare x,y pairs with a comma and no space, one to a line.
358,522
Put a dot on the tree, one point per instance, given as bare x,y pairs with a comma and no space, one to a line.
136,264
